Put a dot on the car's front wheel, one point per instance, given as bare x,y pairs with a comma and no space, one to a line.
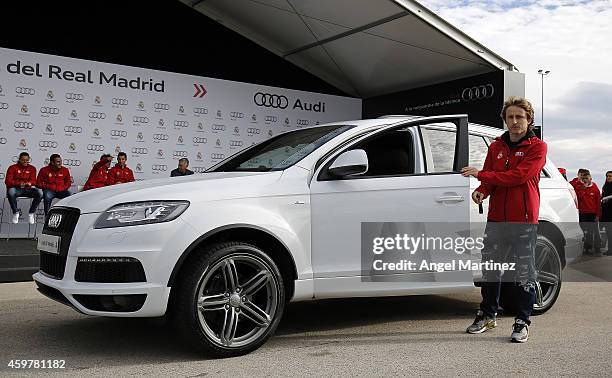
229,300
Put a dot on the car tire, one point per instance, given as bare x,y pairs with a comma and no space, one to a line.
229,299
548,265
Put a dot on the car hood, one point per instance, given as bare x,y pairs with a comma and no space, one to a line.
196,187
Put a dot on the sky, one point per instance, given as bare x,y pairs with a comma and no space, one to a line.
572,39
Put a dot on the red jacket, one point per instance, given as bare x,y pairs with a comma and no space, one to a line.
589,198
53,179
98,176
118,174
17,174
511,177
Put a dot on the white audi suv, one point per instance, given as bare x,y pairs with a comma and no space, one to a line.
223,252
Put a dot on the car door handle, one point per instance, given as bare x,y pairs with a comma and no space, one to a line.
453,198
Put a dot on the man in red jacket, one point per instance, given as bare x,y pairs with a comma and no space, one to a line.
20,181
589,210
99,173
510,177
120,173
54,180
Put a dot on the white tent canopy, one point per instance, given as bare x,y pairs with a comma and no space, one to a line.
364,47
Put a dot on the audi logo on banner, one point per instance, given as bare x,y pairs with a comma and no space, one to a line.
25,91
160,137
199,140
271,119
95,147
137,119
217,127
140,151
269,100
72,163
159,167
160,106
97,115
479,92
253,131
4,105
118,133
198,169
302,122
200,111
119,101
236,115
2,140
23,125
47,144
73,129
179,154
236,143
47,110
181,123
216,156
74,96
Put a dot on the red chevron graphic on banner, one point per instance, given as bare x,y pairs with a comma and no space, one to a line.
200,90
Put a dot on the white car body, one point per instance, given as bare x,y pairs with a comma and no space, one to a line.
310,218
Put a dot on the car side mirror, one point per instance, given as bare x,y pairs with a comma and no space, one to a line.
349,163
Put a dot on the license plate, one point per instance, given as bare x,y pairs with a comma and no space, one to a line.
49,243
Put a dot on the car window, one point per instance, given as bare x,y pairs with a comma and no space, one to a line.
442,146
389,154
478,151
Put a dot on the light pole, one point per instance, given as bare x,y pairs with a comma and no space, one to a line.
542,73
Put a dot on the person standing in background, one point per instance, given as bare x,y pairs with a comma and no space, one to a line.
54,180
589,210
606,210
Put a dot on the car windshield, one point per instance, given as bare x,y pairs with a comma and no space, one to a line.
282,151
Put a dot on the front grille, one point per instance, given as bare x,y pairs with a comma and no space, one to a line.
112,303
52,265
55,264
109,270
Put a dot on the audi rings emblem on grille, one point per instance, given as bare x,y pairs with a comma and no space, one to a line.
54,220
160,137
182,154
47,144
95,147
97,115
23,125
74,96
236,143
4,105
181,123
478,92
72,163
200,111
215,156
47,110
73,129
199,140
119,101
118,133
25,91
159,167
236,115
140,150
140,119
271,100
253,130
160,106
218,127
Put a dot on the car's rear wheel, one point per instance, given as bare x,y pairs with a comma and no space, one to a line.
230,299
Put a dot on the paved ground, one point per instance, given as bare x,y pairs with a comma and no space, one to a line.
367,337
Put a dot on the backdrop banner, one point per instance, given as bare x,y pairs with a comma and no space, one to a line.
81,109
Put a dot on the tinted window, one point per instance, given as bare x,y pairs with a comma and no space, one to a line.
442,146
390,154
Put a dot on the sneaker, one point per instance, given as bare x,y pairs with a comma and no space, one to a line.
15,218
32,218
520,331
481,323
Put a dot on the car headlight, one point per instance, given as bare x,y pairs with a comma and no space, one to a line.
138,213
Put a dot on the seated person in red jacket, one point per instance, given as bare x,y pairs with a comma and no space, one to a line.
99,173
20,181
120,173
54,180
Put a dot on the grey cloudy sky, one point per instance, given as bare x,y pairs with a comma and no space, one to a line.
572,39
